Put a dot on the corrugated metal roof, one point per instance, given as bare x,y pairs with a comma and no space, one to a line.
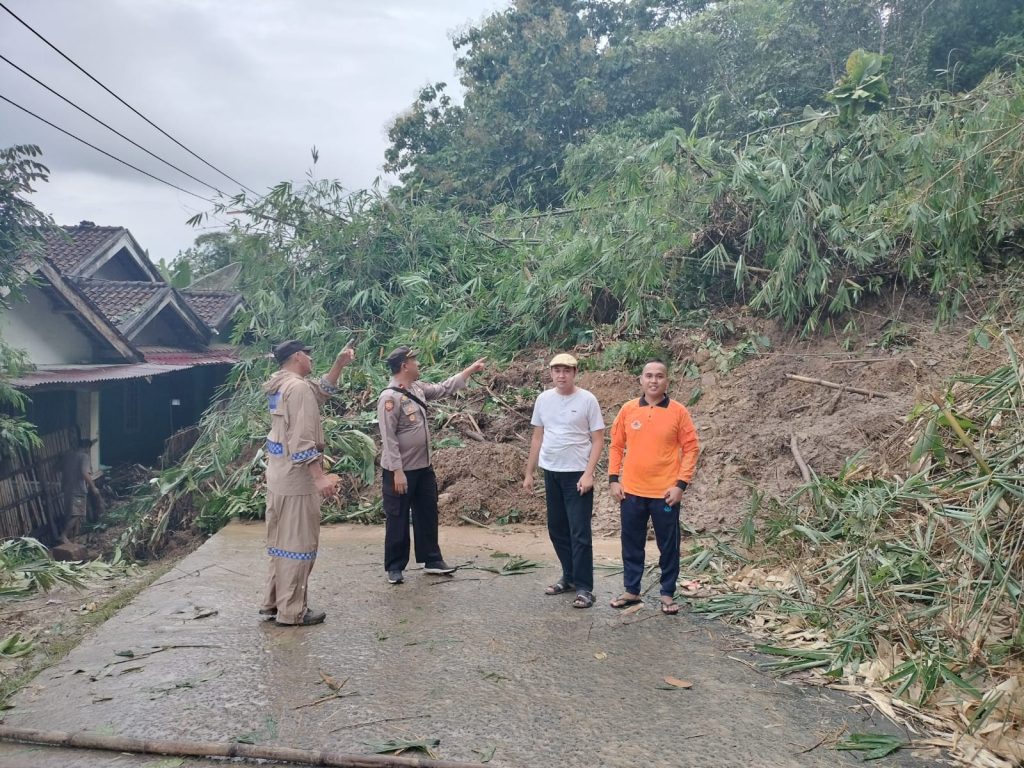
173,356
86,374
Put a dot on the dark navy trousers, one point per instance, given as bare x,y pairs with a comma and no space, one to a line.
635,511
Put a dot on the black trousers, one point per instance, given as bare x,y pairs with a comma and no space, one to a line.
421,499
569,516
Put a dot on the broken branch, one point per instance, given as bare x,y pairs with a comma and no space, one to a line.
833,385
805,471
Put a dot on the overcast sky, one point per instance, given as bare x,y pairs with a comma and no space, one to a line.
249,85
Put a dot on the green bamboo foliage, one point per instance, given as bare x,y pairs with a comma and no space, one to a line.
26,567
798,222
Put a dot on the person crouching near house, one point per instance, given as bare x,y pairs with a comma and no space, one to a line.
296,481
76,482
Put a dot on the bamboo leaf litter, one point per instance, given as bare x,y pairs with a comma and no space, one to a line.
907,590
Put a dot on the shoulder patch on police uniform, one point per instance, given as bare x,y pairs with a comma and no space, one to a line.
389,405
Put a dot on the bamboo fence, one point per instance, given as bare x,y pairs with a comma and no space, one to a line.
31,501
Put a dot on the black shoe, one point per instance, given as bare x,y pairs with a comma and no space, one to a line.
395,577
268,614
439,567
308,619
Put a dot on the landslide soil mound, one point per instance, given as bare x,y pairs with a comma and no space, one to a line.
746,411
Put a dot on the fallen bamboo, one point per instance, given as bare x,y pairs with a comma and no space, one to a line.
954,424
213,749
833,385
805,471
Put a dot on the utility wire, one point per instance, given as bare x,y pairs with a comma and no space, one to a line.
104,152
109,128
125,103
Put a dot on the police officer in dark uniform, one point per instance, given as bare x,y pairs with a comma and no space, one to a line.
409,481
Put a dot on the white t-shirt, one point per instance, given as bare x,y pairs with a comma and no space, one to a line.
568,422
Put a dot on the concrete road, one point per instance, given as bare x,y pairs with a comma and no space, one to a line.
486,663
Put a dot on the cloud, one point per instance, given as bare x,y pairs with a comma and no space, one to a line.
251,87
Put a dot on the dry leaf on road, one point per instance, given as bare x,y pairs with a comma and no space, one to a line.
675,682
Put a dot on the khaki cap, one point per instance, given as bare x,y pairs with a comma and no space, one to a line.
563,358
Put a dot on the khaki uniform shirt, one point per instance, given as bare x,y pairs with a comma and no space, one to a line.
296,437
404,435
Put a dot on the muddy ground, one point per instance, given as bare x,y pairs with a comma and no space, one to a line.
747,415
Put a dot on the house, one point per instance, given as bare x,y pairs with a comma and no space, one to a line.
118,354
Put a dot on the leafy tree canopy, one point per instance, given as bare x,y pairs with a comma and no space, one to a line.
22,225
546,75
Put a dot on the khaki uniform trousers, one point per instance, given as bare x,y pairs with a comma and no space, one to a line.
293,534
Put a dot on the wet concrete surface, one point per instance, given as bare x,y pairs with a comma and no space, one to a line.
480,661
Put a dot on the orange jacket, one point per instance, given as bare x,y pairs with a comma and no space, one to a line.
654,447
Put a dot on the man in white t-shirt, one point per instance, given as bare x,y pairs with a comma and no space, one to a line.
568,436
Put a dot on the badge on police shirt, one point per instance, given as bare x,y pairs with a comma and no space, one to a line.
389,405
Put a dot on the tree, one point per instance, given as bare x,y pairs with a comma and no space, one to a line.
22,225
22,229
545,76
210,251
961,40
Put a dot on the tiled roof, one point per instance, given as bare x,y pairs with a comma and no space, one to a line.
211,306
119,301
66,253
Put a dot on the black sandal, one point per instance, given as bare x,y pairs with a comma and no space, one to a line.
583,600
624,601
559,587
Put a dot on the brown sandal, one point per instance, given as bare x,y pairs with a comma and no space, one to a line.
559,587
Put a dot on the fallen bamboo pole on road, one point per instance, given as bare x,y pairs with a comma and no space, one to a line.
833,385
216,749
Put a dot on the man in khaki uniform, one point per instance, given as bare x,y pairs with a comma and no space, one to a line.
409,483
296,481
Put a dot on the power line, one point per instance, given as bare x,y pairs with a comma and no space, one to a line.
104,152
109,128
125,103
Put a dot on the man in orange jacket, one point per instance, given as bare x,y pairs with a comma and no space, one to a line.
651,461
